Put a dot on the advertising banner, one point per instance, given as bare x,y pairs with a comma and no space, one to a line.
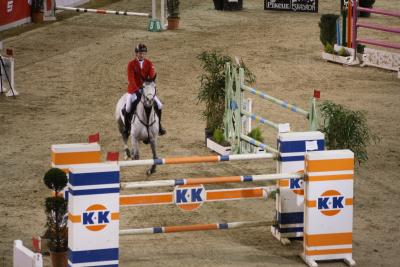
14,13
292,5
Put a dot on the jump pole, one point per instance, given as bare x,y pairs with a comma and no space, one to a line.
103,11
94,211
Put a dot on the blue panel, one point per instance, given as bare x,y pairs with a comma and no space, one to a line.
95,178
88,256
297,146
248,178
157,230
223,226
94,191
158,162
290,218
179,182
293,158
224,158
291,230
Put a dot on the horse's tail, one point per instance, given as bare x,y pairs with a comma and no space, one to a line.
119,106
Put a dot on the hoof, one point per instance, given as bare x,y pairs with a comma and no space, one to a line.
150,172
127,154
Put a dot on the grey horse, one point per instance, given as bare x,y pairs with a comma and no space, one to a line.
144,125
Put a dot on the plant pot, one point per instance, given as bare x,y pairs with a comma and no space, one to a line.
214,146
208,134
37,17
59,259
173,23
218,4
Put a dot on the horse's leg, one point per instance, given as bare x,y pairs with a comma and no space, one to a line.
135,148
126,148
154,151
125,138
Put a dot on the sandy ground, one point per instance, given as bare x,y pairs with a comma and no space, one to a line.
71,73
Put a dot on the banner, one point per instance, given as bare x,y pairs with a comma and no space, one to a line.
14,13
292,5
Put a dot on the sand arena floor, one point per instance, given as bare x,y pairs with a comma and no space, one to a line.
71,73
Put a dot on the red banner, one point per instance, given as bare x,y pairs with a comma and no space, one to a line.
14,12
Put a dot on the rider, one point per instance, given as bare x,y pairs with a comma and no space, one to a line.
140,69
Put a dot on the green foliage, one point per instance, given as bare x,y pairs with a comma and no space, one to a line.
218,136
212,86
256,134
329,49
55,179
342,52
346,129
173,8
327,27
56,210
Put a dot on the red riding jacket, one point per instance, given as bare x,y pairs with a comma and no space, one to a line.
136,75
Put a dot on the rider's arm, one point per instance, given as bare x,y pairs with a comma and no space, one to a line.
132,86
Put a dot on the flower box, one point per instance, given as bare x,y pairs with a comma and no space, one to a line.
222,150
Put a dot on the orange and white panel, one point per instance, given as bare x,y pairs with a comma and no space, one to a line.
328,222
64,155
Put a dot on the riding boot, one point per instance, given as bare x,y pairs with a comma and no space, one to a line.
161,130
127,119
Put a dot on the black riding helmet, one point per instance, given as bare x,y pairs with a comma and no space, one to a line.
141,48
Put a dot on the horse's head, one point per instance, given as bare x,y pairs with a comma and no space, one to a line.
149,92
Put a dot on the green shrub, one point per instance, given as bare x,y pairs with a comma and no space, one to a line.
218,136
346,129
212,86
329,49
327,27
256,134
342,52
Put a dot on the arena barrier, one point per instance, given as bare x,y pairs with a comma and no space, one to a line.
95,201
155,24
291,148
373,57
347,35
23,257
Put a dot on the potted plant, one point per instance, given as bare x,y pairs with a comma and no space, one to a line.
212,91
37,11
256,134
56,214
173,14
217,143
333,52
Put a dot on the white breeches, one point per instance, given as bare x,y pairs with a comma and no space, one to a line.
132,98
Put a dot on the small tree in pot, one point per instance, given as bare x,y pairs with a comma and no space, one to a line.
37,9
212,87
173,14
56,213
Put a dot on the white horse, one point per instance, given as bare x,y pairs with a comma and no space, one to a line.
144,124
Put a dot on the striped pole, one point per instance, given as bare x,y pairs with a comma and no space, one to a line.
195,227
101,11
167,198
274,100
260,119
195,159
212,180
380,11
378,27
258,144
